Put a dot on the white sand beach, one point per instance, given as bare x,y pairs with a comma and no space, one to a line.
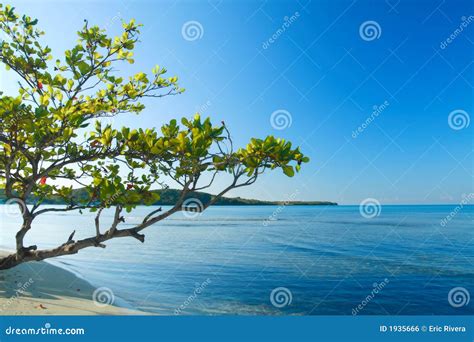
39,288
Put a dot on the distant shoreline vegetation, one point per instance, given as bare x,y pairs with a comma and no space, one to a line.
170,196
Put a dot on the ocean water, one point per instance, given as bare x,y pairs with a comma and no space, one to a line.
268,260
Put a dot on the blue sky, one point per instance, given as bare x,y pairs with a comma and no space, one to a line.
321,71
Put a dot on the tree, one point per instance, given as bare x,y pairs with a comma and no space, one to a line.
51,131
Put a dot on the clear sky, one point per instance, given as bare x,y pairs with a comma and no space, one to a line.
326,71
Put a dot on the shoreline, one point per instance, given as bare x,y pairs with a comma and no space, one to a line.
40,288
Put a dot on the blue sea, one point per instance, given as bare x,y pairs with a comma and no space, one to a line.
269,260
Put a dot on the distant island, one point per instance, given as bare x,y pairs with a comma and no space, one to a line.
170,197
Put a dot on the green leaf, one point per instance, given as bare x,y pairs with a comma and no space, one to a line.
288,170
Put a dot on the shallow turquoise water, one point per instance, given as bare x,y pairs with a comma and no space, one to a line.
229,259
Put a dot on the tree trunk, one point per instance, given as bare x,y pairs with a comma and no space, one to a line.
9,262
71,247
31,253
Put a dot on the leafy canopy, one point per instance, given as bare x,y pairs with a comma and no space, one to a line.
50,129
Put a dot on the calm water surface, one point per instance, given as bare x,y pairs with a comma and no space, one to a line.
230,259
